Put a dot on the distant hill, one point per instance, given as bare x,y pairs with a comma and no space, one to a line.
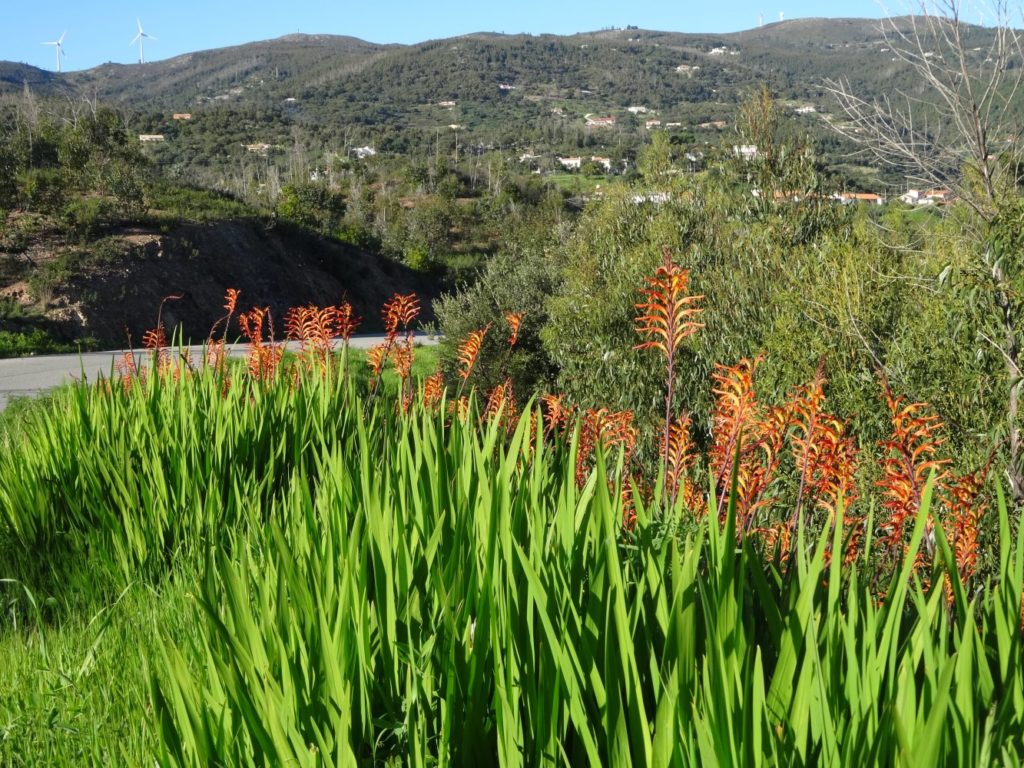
329,75
13,77
309,96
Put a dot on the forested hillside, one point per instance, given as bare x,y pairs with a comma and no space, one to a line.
531,93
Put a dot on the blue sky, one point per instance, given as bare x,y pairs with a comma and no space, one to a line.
100,30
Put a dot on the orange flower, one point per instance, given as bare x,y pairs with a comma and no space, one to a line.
910,459
376,356
469,350
263,359
556,413
668,309
400,309
433,389
313,328
231,300
501,401
681,456
346,321
607,428
514,320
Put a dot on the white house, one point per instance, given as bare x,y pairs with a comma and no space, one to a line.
868,198
746,151
571,163
657,198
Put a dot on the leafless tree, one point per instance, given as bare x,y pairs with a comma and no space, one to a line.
961,128
956,128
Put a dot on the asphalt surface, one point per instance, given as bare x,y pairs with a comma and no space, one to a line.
30,376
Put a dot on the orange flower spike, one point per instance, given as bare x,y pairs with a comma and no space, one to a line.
402,360
668,309
590,430
910,459
231,300
293,322
735,411
501,401
433,389
400,310
618,430
376,357
680,455
514,320
469,350
155,339
556,414
346,321
127,369
966,508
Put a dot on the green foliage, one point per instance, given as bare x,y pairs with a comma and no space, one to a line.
624,652
87,217
195,204
590,332
42,190
519,278
655,160
311,204
359,236
56,272
35,342
126,185
74,692
377,588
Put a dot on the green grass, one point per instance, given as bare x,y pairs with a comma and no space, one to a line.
280,574
73,686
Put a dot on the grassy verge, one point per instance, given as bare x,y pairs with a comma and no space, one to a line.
73,686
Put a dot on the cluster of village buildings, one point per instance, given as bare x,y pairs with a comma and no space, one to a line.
747,152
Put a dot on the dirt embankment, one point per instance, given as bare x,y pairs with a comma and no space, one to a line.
116,290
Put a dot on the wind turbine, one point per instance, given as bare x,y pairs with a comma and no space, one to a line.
59,48
141,38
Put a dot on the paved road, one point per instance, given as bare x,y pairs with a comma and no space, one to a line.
33,375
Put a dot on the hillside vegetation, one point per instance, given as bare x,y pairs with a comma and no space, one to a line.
323,92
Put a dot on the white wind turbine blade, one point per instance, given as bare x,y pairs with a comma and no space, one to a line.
61,40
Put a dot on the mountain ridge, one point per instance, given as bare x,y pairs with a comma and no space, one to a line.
305,57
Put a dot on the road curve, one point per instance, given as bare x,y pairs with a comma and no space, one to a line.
29,376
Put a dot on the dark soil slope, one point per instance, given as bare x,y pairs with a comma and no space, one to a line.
115,289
